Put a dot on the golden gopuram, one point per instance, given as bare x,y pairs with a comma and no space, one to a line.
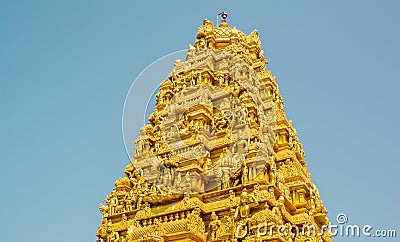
217,160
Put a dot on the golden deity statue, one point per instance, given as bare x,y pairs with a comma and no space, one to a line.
218,160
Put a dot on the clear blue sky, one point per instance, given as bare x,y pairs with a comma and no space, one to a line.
66,67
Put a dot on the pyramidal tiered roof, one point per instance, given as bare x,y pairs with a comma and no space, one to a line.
218,160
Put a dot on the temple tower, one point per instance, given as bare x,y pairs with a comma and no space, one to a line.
218,160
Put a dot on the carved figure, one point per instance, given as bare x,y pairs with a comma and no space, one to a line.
214,225
245,175
242,213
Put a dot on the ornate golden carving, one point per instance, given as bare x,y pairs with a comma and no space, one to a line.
249,183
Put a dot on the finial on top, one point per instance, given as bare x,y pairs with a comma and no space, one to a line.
224,15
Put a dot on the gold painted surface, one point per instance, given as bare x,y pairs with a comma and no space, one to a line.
275,192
